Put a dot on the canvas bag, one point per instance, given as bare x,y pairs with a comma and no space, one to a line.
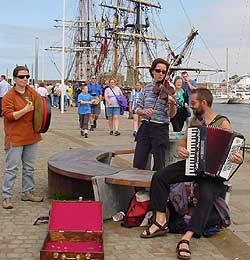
137,209
178,197
122,101
187,195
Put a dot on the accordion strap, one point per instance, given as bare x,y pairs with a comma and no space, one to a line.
217,119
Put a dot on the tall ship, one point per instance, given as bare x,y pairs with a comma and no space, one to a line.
120,39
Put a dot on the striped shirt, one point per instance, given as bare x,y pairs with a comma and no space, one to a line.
150,100
135,95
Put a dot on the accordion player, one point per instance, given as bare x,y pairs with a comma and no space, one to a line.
210,149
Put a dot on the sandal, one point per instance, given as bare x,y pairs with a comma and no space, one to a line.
183,250
162,231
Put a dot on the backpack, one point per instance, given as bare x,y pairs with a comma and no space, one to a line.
178,197
183,198
137,210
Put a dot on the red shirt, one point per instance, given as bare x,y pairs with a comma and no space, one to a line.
19,132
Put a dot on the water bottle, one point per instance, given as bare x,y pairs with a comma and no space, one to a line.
80,198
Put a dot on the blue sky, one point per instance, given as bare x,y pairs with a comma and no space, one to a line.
222,24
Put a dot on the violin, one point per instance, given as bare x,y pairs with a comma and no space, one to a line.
164,90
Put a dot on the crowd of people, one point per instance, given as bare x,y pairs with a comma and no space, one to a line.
153,108
106,93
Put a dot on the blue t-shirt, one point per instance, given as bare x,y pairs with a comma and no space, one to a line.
187,89
84,108
95,89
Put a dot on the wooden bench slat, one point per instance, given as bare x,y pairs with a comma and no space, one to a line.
131,177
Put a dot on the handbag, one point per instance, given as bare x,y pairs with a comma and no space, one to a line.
122,101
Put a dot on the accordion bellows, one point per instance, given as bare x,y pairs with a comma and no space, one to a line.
210,150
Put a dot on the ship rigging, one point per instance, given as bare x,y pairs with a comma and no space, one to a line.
118,37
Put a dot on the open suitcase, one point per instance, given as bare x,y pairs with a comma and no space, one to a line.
75,231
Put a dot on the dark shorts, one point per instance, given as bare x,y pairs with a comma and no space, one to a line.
96,109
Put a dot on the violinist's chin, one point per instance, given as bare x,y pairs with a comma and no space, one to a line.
160,81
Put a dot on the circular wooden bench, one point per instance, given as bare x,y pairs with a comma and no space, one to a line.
70,172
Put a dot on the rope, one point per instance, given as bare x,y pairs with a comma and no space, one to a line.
209,51
184,10
241,34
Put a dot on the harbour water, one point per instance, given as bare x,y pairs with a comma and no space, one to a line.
239,116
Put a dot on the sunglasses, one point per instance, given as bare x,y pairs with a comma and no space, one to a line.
160,71
23,76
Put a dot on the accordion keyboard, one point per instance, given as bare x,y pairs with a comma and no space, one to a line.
191,147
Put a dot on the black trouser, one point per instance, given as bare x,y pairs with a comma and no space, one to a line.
154,138
105,109
209,189
84,121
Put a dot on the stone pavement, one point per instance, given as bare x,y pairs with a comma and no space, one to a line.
19,239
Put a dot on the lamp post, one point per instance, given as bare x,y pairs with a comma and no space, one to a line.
62,58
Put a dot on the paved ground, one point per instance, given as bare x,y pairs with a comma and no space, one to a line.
19,239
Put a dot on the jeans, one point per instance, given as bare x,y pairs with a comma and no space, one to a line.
27,154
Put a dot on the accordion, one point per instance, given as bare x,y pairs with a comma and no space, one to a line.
210,149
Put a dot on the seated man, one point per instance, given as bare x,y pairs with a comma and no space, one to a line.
209,188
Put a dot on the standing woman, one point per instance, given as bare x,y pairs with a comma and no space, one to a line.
112,106
182,108
135,95
155,108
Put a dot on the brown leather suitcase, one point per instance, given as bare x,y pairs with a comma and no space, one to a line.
75,232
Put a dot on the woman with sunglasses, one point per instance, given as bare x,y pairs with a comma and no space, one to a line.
20,138
155,111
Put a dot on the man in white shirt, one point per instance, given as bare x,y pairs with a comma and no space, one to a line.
42,90
4,88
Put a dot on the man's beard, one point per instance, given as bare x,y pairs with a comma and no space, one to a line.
199,112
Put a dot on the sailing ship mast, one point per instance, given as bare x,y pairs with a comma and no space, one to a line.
178,59
134,34
116,46
83,47
138,31
135,31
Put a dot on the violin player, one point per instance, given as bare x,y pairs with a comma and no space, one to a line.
155,106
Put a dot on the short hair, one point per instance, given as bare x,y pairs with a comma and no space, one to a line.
3,76
42,85
114,79
83,85
154,64
177,78
203,94
184,72
18,68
